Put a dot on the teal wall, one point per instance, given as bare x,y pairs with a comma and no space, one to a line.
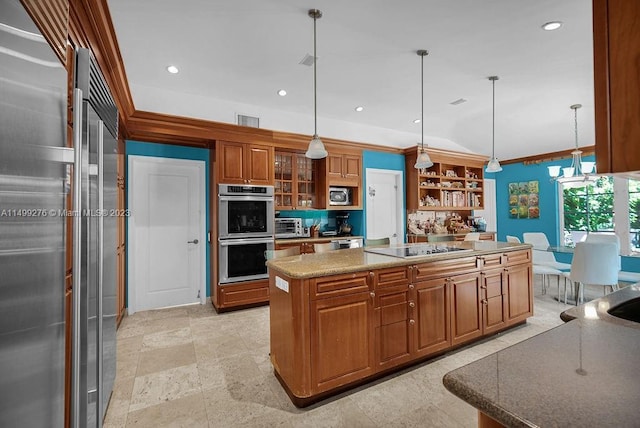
549,220
382,160
139,148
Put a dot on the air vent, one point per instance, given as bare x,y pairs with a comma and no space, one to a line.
307,60
458,101
253,122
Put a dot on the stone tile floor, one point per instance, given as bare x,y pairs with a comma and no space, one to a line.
190,367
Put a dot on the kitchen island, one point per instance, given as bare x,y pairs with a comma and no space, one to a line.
582,373
341,318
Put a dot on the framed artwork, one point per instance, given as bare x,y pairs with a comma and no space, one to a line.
524,200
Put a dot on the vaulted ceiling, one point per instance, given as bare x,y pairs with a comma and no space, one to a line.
234,56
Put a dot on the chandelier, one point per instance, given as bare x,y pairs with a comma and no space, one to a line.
579,169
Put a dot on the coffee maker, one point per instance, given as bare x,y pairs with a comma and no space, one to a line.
344,228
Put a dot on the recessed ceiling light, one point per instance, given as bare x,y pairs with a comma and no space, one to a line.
172,69
282,92
553,25
359,108
416,121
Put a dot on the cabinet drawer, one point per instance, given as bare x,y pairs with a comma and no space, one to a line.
444,268
391,277
339,284
490,261
516,257
393,308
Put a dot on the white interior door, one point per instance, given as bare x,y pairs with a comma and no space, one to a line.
385,216
167,235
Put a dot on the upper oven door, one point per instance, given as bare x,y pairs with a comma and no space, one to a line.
247,216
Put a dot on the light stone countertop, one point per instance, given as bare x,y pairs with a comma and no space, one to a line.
583,373
357,259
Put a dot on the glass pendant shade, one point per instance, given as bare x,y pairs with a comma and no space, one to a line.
568,171
493,166
423,160
554,170
587,167
316,149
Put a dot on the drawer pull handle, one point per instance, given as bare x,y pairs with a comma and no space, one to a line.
412,322
411,286
412,305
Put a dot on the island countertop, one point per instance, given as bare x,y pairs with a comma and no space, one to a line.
357,259
582,373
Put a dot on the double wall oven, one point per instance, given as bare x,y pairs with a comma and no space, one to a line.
245,231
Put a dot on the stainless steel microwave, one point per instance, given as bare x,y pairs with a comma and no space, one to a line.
339,196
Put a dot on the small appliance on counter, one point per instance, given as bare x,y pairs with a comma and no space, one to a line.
290,228
344,228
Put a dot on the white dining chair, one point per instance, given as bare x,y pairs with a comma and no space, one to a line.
594,263
513,239
324,247
472,236
285,252
611,238
537,239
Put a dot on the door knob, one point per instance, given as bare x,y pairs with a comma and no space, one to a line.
195,241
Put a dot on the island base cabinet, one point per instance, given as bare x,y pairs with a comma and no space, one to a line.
430,317
494,302
393,340
519,285
466,308
342,349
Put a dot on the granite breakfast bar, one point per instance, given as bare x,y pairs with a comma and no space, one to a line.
582,373
341,318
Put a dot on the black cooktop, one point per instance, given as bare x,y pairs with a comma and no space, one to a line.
415,250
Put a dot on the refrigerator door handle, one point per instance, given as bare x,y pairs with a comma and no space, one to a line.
77,256
99,293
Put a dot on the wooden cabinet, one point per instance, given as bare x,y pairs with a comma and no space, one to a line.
430,313
340,168
295,181
616,46
494,301
393,338
466,308
241,163
306,247
344,169
342,320
519,292
454,183
333,331
242,295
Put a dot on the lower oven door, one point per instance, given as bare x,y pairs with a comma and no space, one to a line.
243,259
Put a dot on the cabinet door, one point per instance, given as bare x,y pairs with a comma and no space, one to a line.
342,348
259,163
466,308
494,301
284,184
430,317
519,293
230,160
351,166
334,167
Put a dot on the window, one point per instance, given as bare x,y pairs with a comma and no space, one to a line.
634,214
591,206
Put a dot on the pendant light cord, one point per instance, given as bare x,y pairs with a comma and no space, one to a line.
315,84
493,120
422,102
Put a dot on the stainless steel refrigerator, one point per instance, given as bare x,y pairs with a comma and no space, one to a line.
35,180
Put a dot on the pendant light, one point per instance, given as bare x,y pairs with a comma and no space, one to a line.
316,149
423,160
579,169
493,165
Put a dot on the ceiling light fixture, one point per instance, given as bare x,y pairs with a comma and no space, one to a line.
579,169
550,26
359,108
493,165
316,149
423,160
172,69
282,92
